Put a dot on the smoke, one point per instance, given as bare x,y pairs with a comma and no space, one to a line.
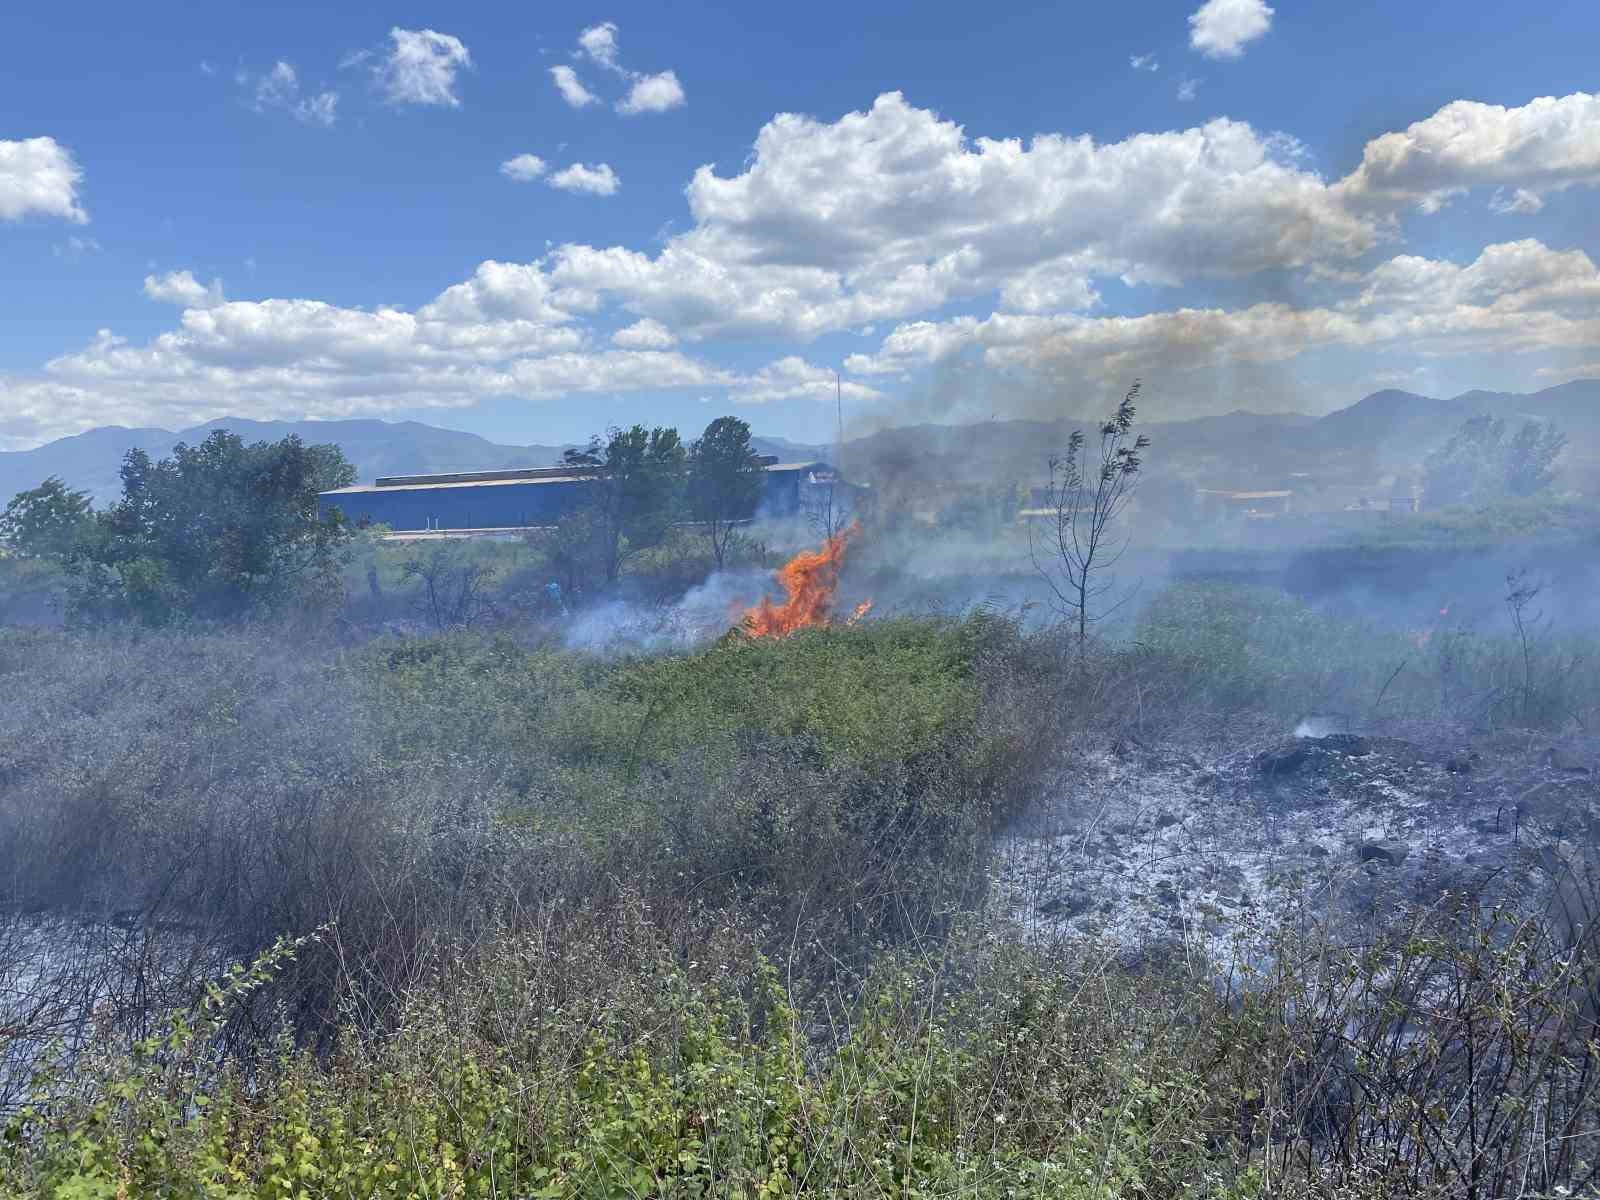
1422,593
704,613
1321,726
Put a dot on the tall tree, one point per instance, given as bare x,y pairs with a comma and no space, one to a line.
1530,461
636,490
726,482
219,530
574,553
44,522
1086,496
1478,464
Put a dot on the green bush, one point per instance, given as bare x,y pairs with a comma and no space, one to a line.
1222,648
686,1082
843,783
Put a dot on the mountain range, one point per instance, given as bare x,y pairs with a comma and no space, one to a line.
1381,435
1379,439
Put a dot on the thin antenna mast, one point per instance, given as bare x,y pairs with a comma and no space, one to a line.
838,404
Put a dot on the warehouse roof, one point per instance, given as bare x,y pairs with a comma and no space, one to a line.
514,477
453,481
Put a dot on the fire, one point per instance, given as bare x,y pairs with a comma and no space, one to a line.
1421,637
809,580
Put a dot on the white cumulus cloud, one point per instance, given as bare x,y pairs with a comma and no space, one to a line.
792,377
598,180
886,213
647,93
1143,62
39,177
644,335
571,87
183,289
1546,145
1517,297
599,42
652,94
1222,28
886,217
421,67
523,168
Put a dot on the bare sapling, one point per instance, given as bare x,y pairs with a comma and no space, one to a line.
1521,592
455,592
1082,541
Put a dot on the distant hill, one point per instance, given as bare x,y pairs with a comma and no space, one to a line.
1384,434
90,461
1388,415
1394,429
1378,435
1575,407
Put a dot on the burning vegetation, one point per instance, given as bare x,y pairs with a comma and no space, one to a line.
1085,826
809,581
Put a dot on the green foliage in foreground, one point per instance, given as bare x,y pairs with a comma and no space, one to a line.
554,878
706,1087
618,1054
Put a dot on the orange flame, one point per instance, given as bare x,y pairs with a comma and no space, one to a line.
809,580
1421,637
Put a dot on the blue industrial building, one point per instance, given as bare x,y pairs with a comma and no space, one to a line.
530,498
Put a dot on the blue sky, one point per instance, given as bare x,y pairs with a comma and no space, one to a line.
327,211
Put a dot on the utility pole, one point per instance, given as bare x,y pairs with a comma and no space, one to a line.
838,404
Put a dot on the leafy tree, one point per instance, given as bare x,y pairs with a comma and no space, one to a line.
573,551
45,521
219,530
1531,456
726,482
635,493
1478,464
1085,497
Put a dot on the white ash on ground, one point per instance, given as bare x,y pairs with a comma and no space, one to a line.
1156,847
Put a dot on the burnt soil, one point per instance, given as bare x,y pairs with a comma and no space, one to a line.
1198,843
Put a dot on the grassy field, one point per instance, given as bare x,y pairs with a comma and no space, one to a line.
717,923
